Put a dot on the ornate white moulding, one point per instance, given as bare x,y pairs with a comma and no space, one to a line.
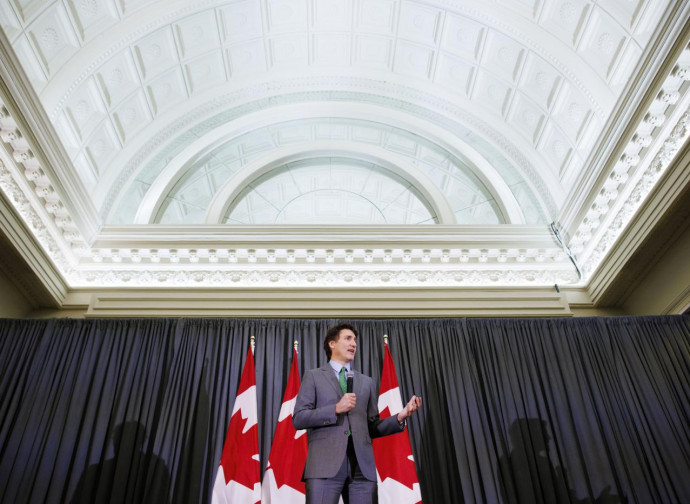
316,256
331,277
650,149
282,256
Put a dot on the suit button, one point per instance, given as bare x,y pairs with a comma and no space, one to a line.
346,433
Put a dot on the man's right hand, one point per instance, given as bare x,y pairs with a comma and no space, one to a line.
346,403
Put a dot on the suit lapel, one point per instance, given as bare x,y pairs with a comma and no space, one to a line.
329,377
357,385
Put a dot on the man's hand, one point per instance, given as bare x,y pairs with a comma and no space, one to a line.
409,408
346,403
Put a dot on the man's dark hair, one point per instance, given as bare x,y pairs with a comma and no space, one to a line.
332,335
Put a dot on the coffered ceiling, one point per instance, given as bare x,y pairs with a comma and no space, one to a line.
310,144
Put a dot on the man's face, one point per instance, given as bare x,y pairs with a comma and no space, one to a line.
343,349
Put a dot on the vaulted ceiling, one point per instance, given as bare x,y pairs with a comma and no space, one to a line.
313,144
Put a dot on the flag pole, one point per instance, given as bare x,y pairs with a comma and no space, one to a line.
385,339
295,345
252,342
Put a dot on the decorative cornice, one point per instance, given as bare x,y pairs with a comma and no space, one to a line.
312,278
322,267
665,202
631,178
614,225
32,174
640,191
32,139
328,256
31,239
664,55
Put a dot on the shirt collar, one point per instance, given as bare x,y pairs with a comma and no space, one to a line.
337,366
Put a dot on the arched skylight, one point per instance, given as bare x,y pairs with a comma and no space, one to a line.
329,191
418,162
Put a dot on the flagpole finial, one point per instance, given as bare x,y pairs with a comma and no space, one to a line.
252,342
295,345
385,339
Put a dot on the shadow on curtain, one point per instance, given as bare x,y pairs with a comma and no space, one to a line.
515,411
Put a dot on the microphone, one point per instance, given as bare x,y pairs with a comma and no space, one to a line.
349,375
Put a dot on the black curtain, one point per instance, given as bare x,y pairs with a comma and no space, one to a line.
527,410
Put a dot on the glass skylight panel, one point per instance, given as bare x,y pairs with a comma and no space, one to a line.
329,191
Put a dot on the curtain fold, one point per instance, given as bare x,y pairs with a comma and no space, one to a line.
515,410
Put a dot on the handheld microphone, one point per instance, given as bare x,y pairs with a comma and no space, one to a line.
349,375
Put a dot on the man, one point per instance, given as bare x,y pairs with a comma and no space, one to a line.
340,459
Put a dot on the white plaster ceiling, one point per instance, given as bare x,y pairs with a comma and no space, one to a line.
396,112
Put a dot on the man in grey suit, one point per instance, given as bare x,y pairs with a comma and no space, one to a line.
341,424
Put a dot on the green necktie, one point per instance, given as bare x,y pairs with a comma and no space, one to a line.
343,387
343,382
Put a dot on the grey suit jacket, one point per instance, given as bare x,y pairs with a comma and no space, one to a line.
327,432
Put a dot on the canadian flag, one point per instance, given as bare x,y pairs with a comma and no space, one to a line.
239,476
395,469
283,477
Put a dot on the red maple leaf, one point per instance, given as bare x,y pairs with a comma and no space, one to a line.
391,453
237,459
288,456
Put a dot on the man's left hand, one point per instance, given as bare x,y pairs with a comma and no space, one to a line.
410,408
